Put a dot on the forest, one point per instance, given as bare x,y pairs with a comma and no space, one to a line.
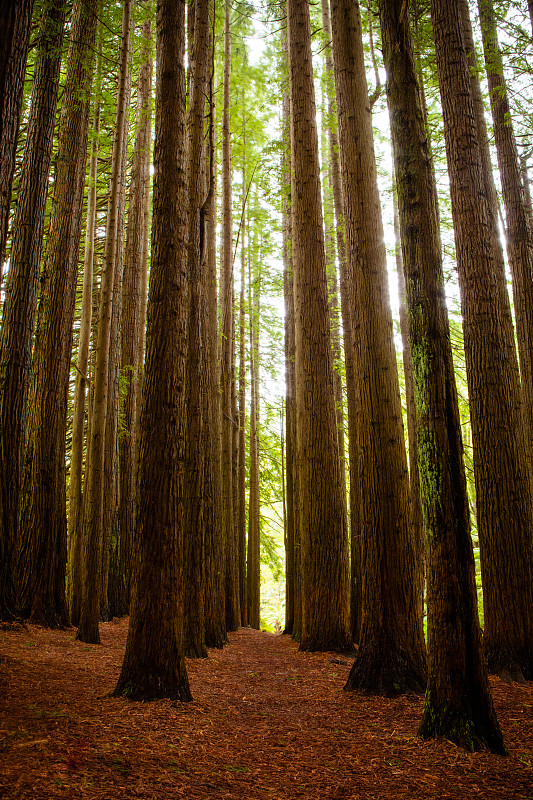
266,398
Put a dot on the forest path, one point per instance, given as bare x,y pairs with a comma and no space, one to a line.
266,722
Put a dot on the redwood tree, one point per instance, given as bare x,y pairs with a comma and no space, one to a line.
323,524
154,664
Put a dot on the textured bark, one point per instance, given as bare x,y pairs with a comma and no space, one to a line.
323,524
391,657
292,550
194,478
253,566
215,625
94,499
75,516
518,223
458,702
227,348
348,305
43,507
154,665
15,26
503,493
19,310
241,473
491,193
111,498
414,479
132,333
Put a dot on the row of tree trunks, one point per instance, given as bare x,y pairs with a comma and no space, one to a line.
43,506
94,492
391,655
19,311
323,524
154,664
458,708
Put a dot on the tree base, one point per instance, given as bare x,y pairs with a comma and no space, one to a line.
510,665
88,632
144,686
459,727
378,671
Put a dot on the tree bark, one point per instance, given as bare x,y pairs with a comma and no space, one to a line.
43,554
15,27
323,524
391,657
227,347
503,492
94,502
75,516
132,331
253,566
154,665
458,702
20,305
194,478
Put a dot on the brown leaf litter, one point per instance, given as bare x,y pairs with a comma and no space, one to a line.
266,722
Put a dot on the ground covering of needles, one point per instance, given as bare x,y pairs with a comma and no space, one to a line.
266,722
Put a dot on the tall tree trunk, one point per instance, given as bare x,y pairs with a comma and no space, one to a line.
503,492
93,540
348,305
323,524
154,665
241,475
414,479
391,655
15,26
43,507
18,318
292,549
253,566
215,618
75,519
227,346
111,496
518,223
194,479
458,702
132,332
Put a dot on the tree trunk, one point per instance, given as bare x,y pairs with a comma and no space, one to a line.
132,332
391,657
241,475
292,550
253,567
414,479
518,223
215,624
458,702
43,507
227,366
348,305
94,501
323,524
194,479
503,493
18,318
75,520
15,27
154,665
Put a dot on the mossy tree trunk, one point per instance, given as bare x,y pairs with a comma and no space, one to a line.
458,702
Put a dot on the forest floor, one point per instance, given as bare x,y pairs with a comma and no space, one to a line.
266,722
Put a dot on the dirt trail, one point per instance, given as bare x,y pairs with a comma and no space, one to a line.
266,722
